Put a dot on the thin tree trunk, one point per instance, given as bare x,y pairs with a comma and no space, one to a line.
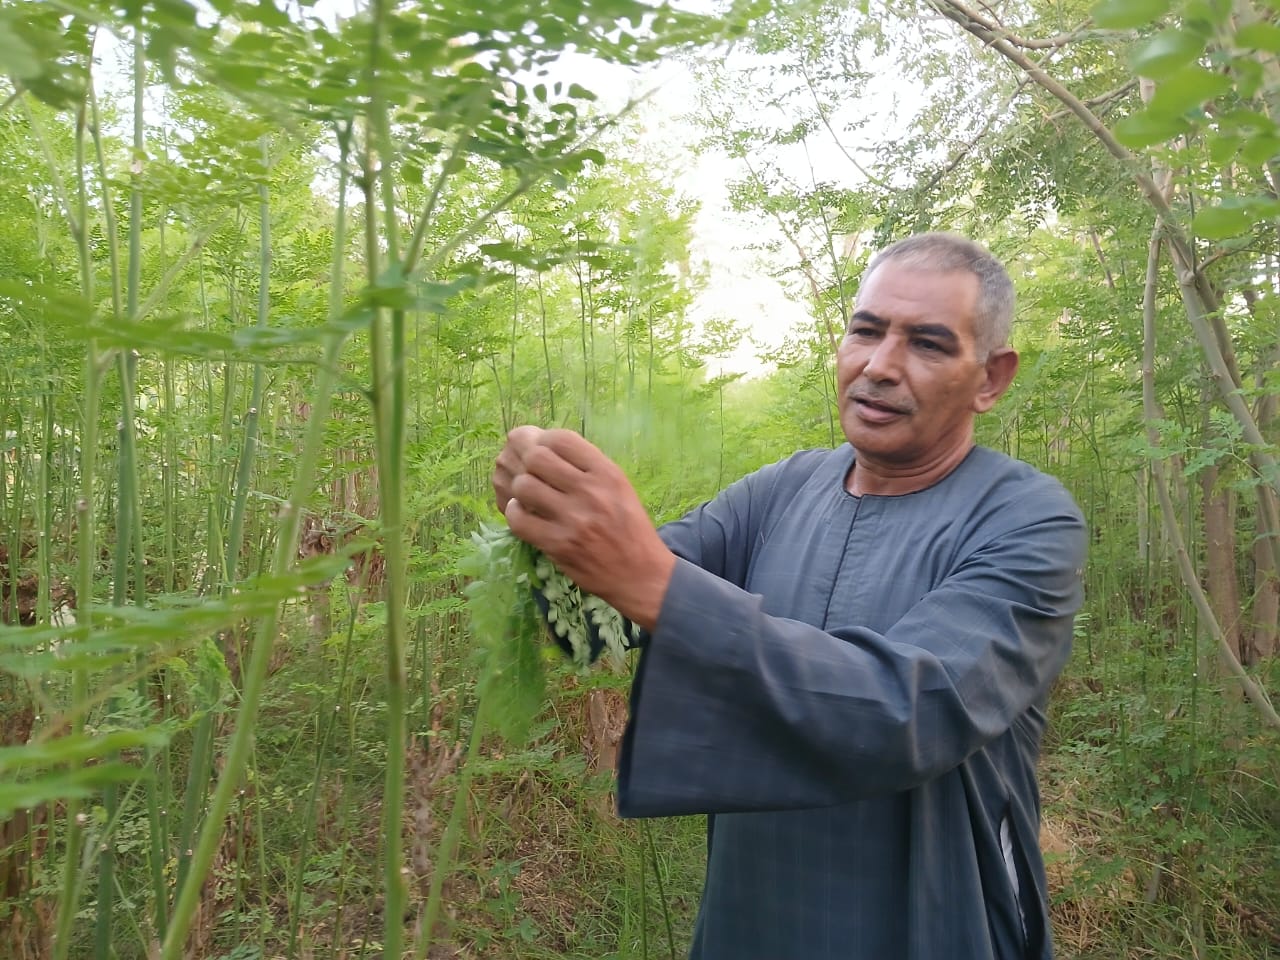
1262,640
1189,577
1221,576
546,350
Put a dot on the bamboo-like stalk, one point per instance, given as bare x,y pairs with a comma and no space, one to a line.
546,349
17,494
387,354
290,519
85,545
127,505
249,443
156,830
44,559
336,284
448,845
202,747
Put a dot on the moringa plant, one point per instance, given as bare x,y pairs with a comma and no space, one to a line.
175,295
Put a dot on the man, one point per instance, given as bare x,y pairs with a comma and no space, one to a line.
849,652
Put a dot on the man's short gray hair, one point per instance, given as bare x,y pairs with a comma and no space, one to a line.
950,252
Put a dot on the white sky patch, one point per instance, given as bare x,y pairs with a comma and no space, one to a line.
740,284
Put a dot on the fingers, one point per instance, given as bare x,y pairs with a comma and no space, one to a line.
501,481
550,472
573,448
539,497
559,458
509,463
526,442
520,440
528,526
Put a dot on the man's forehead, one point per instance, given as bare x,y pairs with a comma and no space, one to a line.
908,271
950,287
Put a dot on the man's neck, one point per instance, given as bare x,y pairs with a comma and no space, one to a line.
877,479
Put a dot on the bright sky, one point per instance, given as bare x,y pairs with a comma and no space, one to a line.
740,285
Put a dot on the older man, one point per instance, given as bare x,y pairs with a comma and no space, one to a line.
849,652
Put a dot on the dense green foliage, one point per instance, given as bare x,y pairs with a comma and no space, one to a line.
272,289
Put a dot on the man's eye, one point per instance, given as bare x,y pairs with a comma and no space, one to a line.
862,332
929,345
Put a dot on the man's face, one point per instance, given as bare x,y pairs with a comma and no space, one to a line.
908,373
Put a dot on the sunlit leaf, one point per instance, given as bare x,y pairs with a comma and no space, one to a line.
1247,122
77,748
1187,89
1167,51
170,336
1260,35
1233,216
1127,14
17,59
1146,129
1249,76
64,784
1222,147
1261,148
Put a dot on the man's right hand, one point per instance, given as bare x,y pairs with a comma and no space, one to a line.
564,496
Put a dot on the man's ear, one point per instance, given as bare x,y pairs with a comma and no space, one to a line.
1001,367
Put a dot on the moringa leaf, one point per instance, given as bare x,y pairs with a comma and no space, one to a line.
1234,216
1166,52
63,784
1127,14
1146,129
1187,89
516,596
507,627
1260,35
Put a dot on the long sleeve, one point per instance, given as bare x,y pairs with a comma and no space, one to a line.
736,708
716,536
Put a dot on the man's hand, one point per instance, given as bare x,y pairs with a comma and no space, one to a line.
564,496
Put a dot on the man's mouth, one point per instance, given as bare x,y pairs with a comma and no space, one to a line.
876,410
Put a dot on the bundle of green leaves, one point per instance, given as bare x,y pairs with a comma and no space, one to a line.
516,598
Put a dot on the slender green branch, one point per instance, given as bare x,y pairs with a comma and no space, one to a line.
84,512
1186,568
448,846
249,443
161,292
75,217
336,281
260,657
386,340
647,827
290,518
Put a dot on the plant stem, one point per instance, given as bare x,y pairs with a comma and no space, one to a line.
295,921
85,545
647,827
1190,578
448,846
387,353
290,519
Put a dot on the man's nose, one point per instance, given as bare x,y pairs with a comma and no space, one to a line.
885,362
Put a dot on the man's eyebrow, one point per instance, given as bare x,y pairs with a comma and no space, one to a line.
938,331
866,316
